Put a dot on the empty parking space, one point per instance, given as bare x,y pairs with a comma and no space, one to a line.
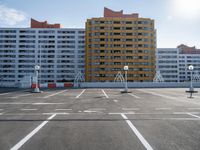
99,119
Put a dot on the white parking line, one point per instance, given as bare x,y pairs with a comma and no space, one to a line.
194,115
183,113
31,103
130,108
32,133
92,111
80,93
58,113
119,113
48,103
115,100
133,95
163,108
15,103
20,95
97,109
62,109
5,93
137,133
55,94
105,93
27,109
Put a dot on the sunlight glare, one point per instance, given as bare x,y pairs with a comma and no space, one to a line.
187,8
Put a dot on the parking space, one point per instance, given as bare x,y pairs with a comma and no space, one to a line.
99,119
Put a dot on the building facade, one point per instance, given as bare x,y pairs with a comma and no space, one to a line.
116,40
173,63
59,52
167,62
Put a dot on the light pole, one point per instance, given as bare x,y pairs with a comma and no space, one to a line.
36,90
191,68
126,85
191,89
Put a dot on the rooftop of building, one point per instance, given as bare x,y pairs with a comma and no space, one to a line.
184,49
45,24
108,13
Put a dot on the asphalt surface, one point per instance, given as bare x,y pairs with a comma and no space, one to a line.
99,119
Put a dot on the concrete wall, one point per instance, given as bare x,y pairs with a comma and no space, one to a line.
138,85
119,85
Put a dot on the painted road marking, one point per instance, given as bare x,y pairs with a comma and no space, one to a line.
97,109
32,103
130,108
90,111
58,113
194,115
21,95
5,93
119,113
55,94
163,108
115,100
32,133
80,93
133,95
105,93
62,109
137,133
27,109
177,113
15,103
48,103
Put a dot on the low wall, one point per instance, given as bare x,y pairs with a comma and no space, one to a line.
138,85
111,85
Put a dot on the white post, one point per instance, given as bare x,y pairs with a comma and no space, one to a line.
36,90
126,84
191,70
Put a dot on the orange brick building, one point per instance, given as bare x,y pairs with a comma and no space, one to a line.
116,40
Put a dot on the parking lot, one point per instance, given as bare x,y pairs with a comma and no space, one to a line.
99,119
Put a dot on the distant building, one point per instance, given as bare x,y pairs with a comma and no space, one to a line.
116,40
59,52
173,62
37,24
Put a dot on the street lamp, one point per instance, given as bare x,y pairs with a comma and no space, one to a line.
191,89
191,68
37,68
126,85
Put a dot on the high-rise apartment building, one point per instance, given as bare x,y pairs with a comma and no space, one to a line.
173,63
116,40
59,52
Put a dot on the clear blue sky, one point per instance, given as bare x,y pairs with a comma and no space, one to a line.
177,21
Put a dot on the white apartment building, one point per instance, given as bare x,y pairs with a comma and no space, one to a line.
59,52
173,63
167,62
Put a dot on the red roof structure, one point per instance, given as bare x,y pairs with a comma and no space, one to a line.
188,50
108,13
37,24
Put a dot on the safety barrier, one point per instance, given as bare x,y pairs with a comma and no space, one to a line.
53,85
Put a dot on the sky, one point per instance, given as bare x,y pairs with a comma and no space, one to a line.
176,21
